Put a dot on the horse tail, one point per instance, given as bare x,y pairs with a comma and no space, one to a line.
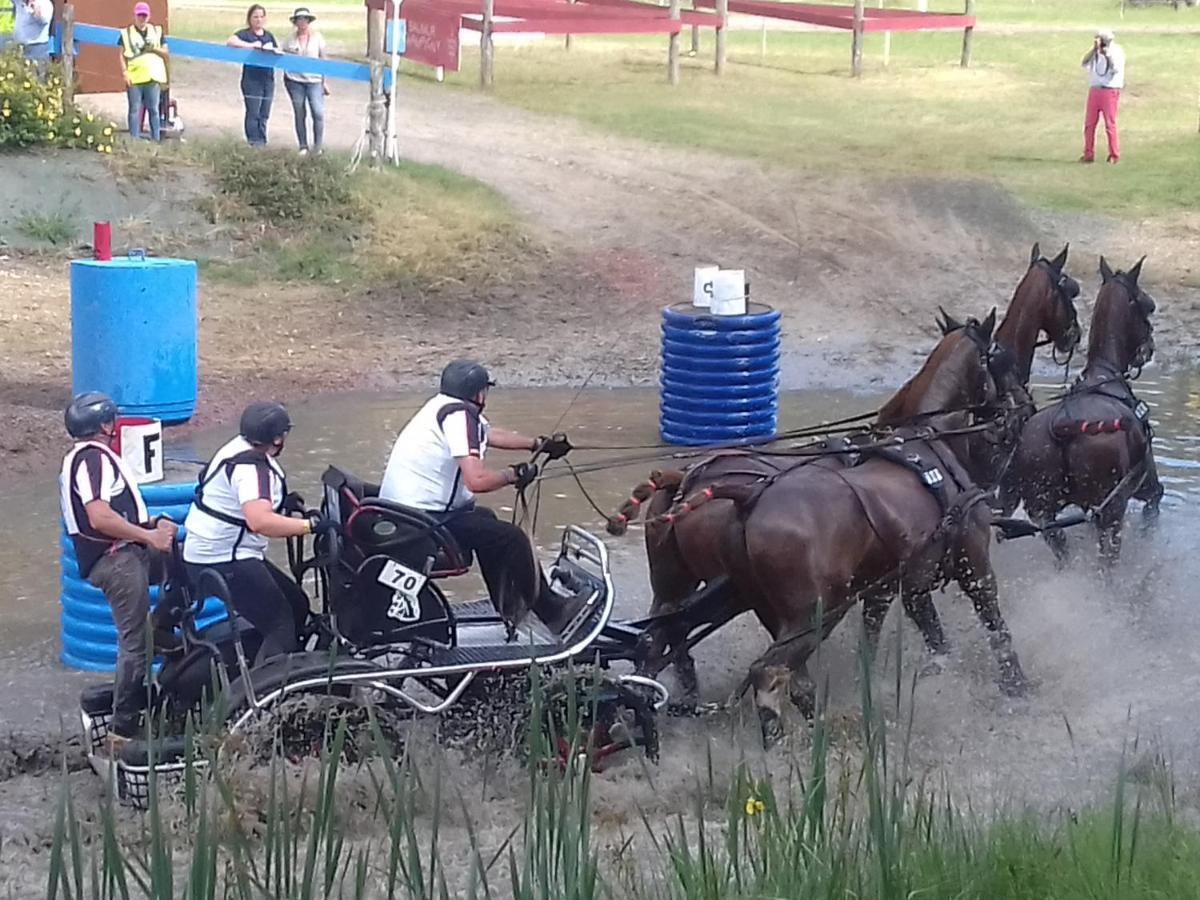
618,522
741,494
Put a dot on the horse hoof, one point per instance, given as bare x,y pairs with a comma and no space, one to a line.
772,728
936,664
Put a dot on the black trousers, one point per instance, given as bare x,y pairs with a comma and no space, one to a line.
265,597
510,569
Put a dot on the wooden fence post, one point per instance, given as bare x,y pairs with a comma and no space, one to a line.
695,39
567,39
856,40
68,54
967,34
376,108
722,25
487,50
673,47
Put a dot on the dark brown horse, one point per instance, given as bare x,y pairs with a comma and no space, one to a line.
1093,447
905,520
809,542
1043,303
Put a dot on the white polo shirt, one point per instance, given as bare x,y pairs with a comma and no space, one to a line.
1107,71
422,470
234,476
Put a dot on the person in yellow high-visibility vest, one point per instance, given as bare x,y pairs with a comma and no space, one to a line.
144,65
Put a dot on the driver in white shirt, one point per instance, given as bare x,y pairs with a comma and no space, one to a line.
437,466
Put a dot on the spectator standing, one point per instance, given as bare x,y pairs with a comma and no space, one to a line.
307,92
1105,65
144,67
258,83
31,29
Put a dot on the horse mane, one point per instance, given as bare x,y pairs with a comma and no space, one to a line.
938,384
1110,319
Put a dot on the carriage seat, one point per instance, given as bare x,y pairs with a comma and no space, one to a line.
373,526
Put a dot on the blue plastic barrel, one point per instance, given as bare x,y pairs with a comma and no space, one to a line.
133,334
89,637
720,375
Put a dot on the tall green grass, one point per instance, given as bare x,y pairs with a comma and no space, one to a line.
831,826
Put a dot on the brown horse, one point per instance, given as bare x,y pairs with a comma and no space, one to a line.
809,542
1093,447
1043,302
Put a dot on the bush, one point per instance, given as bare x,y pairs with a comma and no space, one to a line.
284,187
32,112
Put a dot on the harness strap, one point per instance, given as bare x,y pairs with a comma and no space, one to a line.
246,457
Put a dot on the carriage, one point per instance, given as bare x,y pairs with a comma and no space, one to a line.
386,635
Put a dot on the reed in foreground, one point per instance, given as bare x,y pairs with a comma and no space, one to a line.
825,829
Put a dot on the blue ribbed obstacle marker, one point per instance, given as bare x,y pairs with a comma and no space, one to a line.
89,637
133,334
720,375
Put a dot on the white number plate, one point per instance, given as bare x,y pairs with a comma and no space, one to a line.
406,585
401,578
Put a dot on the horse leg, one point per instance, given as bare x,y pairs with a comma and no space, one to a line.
919,607
1109,534
1150,492
875,606
1056,539
977,579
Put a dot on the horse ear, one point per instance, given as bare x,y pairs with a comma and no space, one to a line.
947,323
1106,272
1035,254
1061,260
1136,271
987,325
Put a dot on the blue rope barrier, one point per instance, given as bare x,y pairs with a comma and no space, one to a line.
182,47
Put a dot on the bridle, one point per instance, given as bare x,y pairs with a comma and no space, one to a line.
1063,295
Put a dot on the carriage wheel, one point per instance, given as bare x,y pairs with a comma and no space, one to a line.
586,719
304,725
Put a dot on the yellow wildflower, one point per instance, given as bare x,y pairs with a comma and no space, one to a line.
108,131
91,118
754,807
7,113
78,132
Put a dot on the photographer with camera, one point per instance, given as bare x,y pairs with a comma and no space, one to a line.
1105,65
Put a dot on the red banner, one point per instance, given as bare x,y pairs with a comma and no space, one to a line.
431,38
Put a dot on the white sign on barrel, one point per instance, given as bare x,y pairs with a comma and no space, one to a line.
702,288
142,448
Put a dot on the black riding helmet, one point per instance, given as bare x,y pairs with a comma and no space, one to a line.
265,422
88,413
464,379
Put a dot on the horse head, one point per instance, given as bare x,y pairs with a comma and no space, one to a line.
1122,333
1045,297
955,377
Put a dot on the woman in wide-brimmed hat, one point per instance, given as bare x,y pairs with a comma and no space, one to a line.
308,92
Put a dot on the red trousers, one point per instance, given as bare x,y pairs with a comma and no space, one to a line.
1101,102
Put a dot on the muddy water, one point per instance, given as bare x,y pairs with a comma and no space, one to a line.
1111,661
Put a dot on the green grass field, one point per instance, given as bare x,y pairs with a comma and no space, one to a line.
1014,118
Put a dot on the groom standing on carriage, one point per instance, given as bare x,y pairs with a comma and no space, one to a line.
436,466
